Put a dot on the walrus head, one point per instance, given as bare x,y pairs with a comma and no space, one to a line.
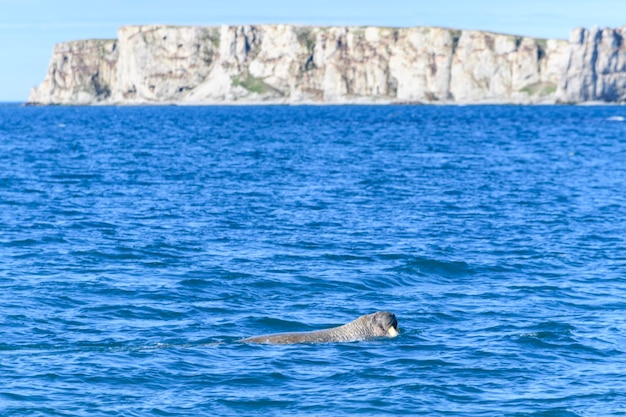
384,324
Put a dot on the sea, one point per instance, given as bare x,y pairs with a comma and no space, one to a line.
139,245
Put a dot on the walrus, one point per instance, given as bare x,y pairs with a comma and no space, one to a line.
370,326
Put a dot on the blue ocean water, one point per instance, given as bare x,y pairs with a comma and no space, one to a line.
139,244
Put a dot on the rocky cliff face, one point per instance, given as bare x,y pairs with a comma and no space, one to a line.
293,64
80,72
596,66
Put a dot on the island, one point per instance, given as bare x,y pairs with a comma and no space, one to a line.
289,64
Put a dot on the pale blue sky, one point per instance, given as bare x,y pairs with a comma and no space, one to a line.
30,28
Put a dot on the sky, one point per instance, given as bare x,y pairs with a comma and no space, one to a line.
30,28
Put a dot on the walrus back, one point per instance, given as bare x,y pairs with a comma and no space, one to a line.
320,336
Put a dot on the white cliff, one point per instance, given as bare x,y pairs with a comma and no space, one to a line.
596,66
298,64
80,72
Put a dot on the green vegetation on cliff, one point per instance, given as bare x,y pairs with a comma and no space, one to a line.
252,84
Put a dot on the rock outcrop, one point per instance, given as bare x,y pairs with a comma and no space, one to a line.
596,66
299,64
81,72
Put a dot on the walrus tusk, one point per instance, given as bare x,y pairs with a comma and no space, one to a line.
392,332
